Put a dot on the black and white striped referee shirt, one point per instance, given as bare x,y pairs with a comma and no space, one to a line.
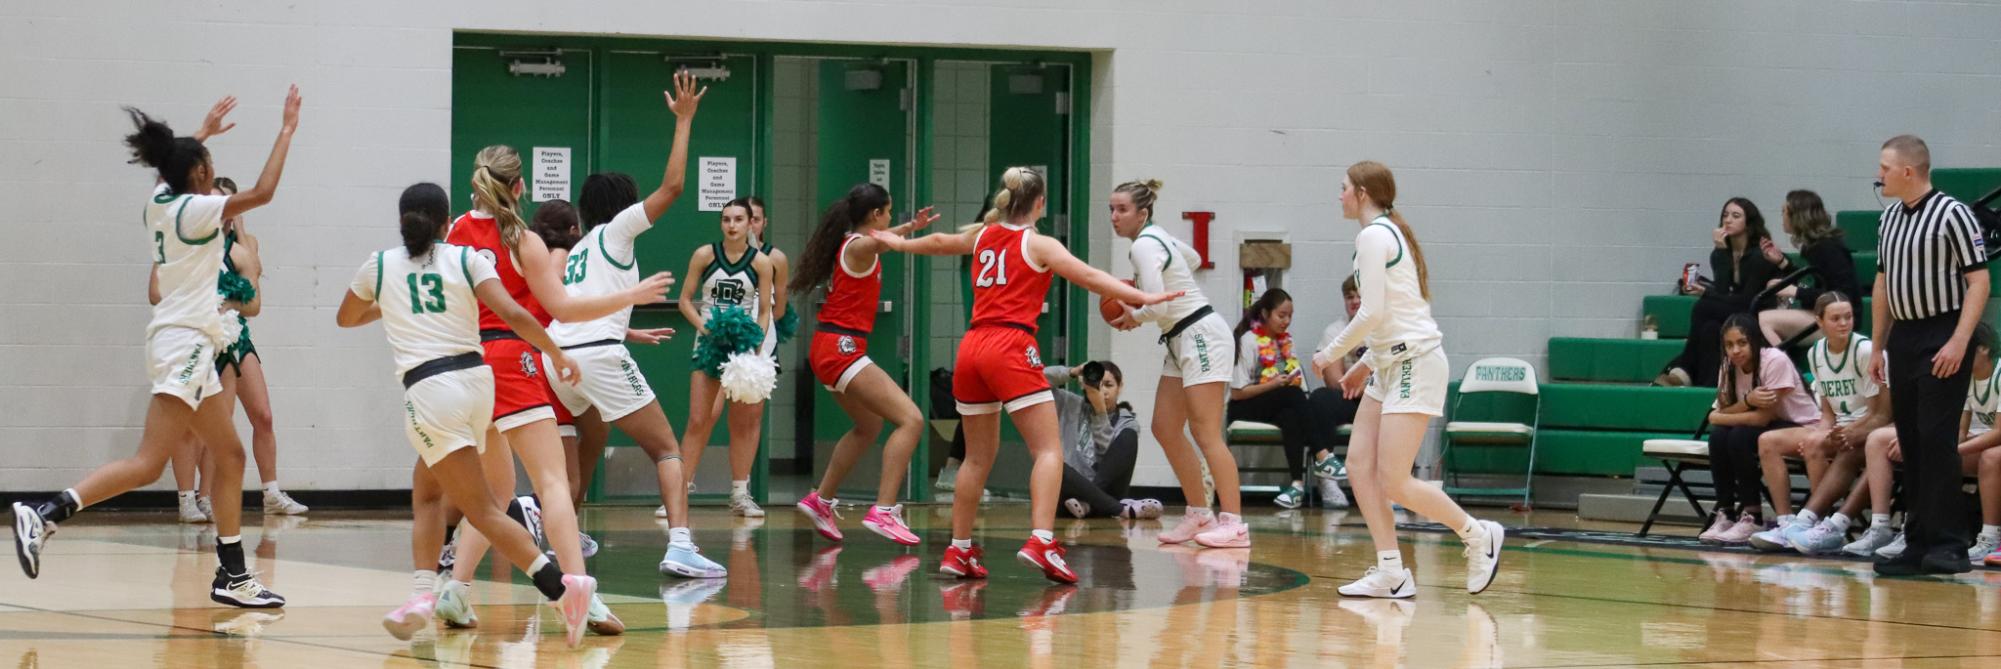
1923,252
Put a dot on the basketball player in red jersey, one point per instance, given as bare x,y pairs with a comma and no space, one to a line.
999,365
522,416
840,361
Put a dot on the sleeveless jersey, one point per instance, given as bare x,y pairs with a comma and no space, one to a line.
428,307
479,231
603,263
188,250
1007,288
1842,379
729,283
1982,400
852,298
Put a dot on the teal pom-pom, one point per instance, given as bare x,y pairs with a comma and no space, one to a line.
235,288
787,326
731,330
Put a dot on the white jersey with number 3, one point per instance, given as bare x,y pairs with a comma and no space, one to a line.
603,263
187,251
428,307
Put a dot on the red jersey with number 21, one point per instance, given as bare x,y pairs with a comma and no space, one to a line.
1007,289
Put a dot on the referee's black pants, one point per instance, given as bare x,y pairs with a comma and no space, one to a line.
1926,409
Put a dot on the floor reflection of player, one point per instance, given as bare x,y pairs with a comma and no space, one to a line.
1483,640
1388,617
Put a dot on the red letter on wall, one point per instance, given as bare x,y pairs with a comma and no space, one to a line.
1201,220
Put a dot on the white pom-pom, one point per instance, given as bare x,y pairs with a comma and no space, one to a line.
232,329
749,378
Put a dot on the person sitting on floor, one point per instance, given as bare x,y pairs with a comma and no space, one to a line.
1100,443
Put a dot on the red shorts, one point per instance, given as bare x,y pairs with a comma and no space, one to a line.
566,424
520,396
837,358
999,367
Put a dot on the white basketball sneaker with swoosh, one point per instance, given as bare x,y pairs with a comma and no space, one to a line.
1383,584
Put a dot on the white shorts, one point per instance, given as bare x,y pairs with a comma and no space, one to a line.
1203,353
181,363
447,412
1416,385
610,381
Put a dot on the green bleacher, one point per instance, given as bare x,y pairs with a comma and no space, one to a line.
1596,405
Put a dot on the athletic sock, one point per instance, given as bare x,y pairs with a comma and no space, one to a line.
1807,517
1390,560
680,536
1198,511
1990,531
1472,529
548,578
1047,536
190,495
422,580
271,488
229,549
741,488
1879,520
59,508
1840,521
885,509
1226,518
962,544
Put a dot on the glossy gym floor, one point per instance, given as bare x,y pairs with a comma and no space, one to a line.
125,590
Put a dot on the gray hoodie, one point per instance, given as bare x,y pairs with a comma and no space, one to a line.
1086,433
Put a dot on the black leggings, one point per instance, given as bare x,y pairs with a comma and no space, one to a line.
1111,481
1733,464
1306,422
1702,353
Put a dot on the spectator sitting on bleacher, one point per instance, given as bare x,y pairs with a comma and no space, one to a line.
1812,231
1761,391
1743,266
1977,443
1100,443
1270,387
1844,389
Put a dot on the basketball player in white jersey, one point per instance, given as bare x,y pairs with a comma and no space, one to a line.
427,294
603,262
1195,376
1405,373
1843,388
187,332
727,274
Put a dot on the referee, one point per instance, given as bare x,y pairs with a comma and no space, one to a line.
1931,282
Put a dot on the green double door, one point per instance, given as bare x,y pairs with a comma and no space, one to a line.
608,110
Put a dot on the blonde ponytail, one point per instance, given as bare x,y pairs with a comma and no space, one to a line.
495,172
1375,180
1020,188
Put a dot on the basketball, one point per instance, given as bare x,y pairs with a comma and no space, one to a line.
1109,308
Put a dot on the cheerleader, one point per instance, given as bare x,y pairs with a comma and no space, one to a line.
729,275
1402,378
840,360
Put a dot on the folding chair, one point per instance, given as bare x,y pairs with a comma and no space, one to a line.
1509,426
1678,456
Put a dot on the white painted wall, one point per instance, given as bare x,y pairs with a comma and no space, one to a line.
1559,159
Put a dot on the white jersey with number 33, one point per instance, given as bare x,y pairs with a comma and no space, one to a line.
428,307
603,263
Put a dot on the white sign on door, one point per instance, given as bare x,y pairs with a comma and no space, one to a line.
718,182
878,172
552,173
